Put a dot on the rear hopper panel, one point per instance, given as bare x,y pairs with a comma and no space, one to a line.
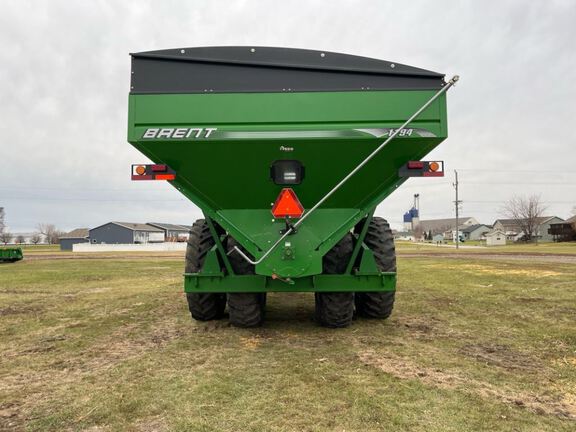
220,117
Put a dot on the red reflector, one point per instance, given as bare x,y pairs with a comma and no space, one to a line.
415,165
433,174
159,168
164,177
287,205
142,177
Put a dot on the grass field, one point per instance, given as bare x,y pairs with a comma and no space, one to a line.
103,344
568,248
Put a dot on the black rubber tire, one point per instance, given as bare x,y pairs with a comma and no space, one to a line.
380,240
245,309
202,306
336,309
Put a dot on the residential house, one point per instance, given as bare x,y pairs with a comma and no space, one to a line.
475,232
126,233
79,235
563,231
441,226
172,232
514,232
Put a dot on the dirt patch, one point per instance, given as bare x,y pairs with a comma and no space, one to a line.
12,310
122,346
528,299
563,405
9,417
500,355
154,424
251,342
426,328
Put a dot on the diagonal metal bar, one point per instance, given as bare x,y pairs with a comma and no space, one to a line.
443,90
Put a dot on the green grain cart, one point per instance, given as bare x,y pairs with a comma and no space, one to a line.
287,152
10,254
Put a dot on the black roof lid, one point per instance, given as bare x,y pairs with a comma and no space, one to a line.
287,58
266,69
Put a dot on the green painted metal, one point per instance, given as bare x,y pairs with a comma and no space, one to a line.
365,278
226,173
359,241
219,246
195,282
11,254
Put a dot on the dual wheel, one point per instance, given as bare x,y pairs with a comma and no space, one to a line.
333,309
244,309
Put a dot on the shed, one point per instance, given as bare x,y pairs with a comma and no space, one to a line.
496,238
79,235
126,233
438,238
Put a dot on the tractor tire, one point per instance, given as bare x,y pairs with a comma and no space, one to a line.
336,309
202,306
380,240
245,309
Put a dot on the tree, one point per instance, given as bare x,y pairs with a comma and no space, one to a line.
20,239
418,232
35,239
525,212
6,237
2,220
50,232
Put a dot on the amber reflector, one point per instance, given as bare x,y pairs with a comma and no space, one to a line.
287,205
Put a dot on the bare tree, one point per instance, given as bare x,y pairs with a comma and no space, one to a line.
6,237
418,232
2,220
525,211
50,232
35,239
20,239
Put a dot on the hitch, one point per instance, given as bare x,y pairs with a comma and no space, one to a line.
290,228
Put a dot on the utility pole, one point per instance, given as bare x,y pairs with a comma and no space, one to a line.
457,208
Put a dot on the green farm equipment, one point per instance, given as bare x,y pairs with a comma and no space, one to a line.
10,254
287,152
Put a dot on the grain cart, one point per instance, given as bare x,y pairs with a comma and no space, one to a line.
11,254
287,152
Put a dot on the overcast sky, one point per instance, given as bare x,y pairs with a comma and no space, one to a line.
64,81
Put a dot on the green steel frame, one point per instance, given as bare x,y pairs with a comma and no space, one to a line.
364,276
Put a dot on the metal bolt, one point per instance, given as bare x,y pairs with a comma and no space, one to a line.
182,51
322,55
252,50
392,65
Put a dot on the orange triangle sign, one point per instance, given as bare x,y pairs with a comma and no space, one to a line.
287,205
